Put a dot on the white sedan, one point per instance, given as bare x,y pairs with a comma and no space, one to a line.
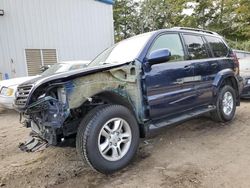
8,87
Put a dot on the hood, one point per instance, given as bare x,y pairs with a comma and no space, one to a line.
15,81
65,76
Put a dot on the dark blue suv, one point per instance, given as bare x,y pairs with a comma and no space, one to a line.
132,90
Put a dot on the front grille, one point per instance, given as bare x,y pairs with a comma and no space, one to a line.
22,95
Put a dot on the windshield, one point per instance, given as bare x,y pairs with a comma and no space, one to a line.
57,68
122,52
245,64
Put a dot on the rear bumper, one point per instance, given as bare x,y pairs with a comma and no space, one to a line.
7,102
240,81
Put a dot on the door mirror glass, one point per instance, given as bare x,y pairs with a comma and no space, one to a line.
159,56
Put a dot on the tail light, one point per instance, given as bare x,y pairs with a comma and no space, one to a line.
236,62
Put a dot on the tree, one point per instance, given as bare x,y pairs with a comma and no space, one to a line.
230,18
243,18
125,18
160,14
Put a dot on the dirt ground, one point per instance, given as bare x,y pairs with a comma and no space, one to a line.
198,153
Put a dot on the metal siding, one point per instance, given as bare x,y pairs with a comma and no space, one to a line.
77,29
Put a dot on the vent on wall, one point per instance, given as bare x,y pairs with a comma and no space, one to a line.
1,12
36,58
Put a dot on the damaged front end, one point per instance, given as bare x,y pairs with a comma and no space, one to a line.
45,116
48,115
54,106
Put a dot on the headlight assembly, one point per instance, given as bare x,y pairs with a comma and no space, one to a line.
7,91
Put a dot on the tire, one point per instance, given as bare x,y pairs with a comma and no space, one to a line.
220,114
123,133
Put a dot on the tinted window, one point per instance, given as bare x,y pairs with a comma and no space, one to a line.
218,47
171,42
196,47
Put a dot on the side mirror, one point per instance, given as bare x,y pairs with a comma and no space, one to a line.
159,56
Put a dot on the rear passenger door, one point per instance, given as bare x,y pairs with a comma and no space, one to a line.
205,68
220,53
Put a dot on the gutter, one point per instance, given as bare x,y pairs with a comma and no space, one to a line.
110,2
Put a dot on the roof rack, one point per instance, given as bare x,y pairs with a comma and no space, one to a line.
194,29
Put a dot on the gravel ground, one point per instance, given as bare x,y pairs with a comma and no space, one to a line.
198,153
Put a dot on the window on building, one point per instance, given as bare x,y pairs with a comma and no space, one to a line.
173,43
218,47
36,58
196,47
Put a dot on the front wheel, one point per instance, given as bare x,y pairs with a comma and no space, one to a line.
108,138
225,105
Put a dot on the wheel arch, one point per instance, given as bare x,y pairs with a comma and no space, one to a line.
118,97
226,77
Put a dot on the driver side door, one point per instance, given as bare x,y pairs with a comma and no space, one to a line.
169,85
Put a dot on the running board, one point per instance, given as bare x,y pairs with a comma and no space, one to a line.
155,127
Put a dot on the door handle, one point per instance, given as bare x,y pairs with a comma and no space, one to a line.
187,68
214,65
179,81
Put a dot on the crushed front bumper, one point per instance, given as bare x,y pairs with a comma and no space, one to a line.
46,118
33,144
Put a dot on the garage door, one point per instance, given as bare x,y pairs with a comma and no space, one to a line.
36,58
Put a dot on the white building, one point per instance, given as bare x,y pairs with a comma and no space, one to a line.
40,32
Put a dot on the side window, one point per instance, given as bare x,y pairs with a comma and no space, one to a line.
195,46
171,42
218,46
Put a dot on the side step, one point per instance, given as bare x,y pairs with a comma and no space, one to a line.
155,127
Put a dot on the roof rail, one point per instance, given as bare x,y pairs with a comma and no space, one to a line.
194,29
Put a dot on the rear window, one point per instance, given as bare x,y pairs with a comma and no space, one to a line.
196,47
218,46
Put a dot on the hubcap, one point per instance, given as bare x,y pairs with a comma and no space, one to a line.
114,139
228,103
